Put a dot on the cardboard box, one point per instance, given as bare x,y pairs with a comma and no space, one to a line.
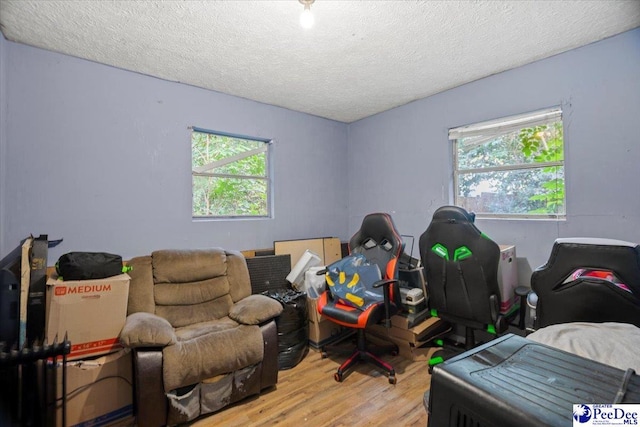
410,351
99,391
327,248
423,332
508,278
312,309
91,312
323,333
408,320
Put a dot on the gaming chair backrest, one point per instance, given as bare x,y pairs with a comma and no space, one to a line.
588,299
461,267
379,241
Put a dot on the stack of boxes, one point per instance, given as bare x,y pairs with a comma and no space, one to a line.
412,330
329,250
91,313
414,343
321,330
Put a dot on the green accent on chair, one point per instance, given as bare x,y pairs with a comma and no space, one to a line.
485,236
461,253
434,312
126,268
439,343
441,251
435,360
491,329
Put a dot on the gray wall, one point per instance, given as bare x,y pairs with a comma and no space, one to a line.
3,139
598,87
101,157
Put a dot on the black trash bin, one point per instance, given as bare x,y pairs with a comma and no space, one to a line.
292,325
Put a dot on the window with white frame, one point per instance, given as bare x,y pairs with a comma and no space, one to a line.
230,175
511,167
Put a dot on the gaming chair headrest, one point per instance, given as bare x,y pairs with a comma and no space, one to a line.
571,253
453,214
380,229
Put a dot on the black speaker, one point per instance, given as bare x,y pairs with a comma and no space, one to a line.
269,272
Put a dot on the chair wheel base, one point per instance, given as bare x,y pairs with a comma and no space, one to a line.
338,377
392,379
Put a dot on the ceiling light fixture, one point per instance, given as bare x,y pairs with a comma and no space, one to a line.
306,18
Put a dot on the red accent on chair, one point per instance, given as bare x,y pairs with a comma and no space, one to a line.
381,244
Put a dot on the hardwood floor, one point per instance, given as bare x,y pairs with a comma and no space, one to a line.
307,395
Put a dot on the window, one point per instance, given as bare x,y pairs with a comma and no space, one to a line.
511,167
230,175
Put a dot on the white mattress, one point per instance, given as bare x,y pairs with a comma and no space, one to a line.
615,344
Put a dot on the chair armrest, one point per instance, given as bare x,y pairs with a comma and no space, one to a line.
147,330
255,309
387,299
384,282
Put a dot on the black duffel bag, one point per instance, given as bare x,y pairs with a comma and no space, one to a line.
89,265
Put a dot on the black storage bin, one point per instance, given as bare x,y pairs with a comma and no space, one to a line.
515,382
292,325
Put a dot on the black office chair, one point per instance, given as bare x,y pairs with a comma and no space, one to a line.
380,243
588,280
461,267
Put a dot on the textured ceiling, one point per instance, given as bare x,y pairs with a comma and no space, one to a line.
360,58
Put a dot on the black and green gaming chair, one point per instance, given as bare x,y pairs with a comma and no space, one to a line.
461,268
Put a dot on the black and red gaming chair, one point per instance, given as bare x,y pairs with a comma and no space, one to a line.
588,280
381,244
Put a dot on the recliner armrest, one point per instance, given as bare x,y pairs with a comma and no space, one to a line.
255,309
147,330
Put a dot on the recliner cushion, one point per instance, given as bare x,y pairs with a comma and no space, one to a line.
189,293
204,328
187,303
193,360
179,266
184,315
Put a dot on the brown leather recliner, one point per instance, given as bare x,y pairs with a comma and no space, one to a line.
200,339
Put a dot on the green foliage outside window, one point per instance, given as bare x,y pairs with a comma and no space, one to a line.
230,176
524,172
545,144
